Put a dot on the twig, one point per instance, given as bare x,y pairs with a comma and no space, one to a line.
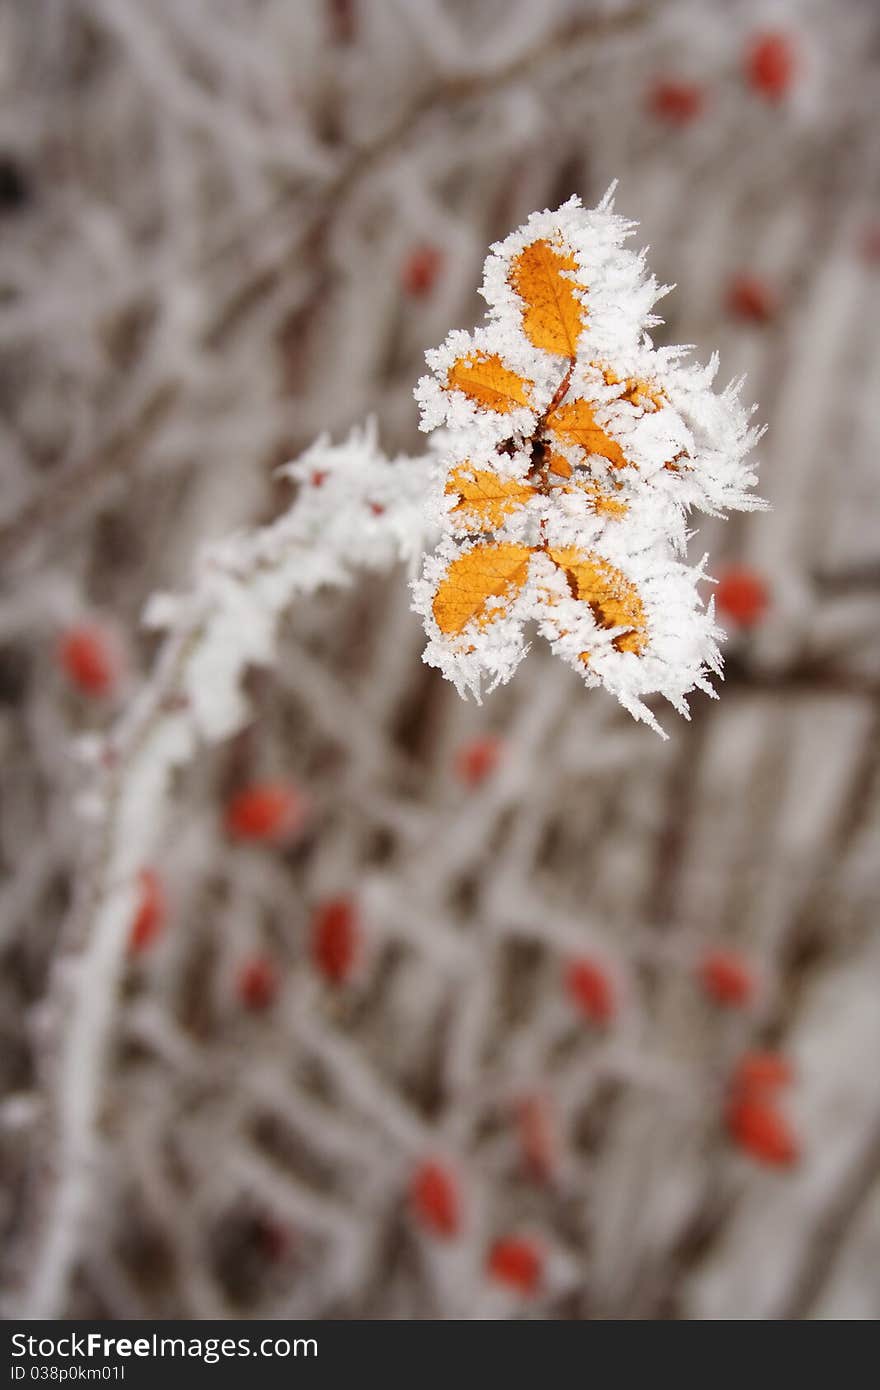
244,587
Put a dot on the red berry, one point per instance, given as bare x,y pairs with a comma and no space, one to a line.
274,1241
726,978
742,595
677,103
758,1073
478,759
751,299
335,938
343,21
265,811
870,244
753,1121
87,657
318,478
257,983
377,509
420,270
150,916
757,1127
434,1199
516,1261
770,64
590,990
537,1136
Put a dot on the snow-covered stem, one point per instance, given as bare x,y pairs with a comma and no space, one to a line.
354,511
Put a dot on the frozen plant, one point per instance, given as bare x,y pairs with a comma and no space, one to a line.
569,455
576,453
391,1004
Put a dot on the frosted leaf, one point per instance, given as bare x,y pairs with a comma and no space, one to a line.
573,455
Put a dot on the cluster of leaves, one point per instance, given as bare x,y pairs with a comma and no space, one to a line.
575,452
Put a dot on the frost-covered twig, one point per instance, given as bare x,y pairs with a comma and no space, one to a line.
354,511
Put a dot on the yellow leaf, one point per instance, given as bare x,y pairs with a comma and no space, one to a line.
575,423
559,465
635,390
487,572
605,503
485,380
681,461
486,499
613,599
553,317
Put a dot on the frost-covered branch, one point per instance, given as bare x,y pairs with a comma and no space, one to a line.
354,511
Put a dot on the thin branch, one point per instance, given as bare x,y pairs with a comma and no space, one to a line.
247,582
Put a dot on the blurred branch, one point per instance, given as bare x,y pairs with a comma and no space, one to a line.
864,578
79,487
843,1207
73,488
444,95
802,677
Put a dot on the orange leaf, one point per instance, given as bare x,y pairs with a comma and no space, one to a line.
553,316
485,380
489,571
486,499
559,465
604,503
613,599
635,390
576,424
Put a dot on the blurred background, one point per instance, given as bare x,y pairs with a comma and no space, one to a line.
431,1009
